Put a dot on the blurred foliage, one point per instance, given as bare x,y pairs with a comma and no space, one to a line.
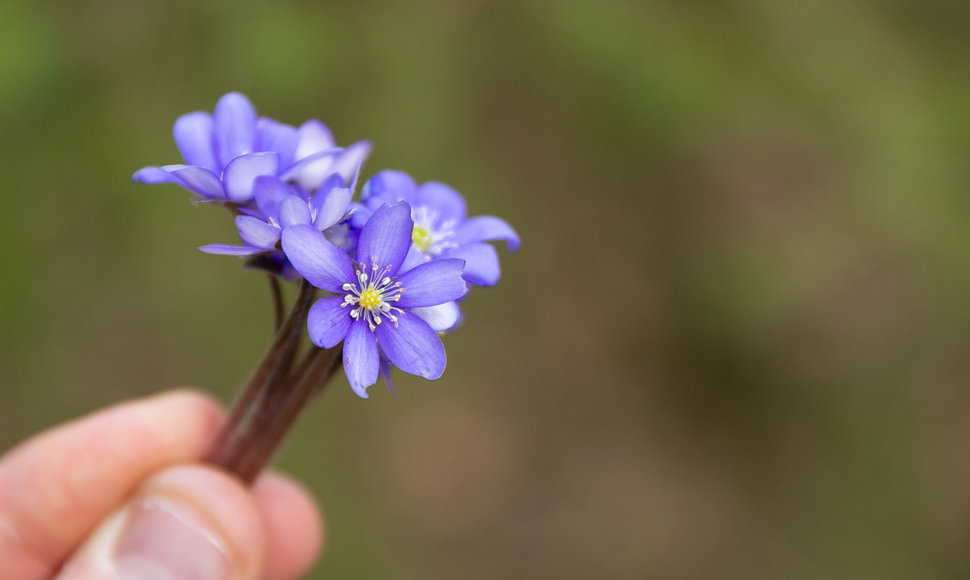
733,344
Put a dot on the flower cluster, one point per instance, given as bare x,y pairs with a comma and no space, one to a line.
395,263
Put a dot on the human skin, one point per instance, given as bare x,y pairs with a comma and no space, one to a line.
121,493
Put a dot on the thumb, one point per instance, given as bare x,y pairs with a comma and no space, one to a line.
185,522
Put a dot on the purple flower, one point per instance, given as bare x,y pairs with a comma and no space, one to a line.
279,206
441,228
225,152
376,301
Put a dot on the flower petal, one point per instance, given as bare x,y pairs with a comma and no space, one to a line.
323,264
361,361
227,250
275,136
447,203
386,237
197,180
388,187
486,227
294,211
152,175
481,263
268,193
313,138
331,207
234,127
348,162
257,233
412,346
435,282
328,322
440,317
311,171
193,135
241,173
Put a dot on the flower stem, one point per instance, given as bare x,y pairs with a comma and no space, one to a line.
241,445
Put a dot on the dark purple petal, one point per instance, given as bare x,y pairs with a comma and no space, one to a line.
388,187
196,180
193,135
445,201
294,211
386,237
268,193
227,250
432,283
330,207
275,136
361,361
481,263
313,138
412,346
328,322
486,227
241,173
323,264
257,233
234,127
439,317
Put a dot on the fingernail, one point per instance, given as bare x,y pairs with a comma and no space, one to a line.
165,540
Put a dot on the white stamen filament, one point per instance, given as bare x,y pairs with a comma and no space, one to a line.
369,301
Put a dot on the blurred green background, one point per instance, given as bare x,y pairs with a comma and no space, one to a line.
733,344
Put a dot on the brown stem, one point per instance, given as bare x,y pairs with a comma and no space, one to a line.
274,287
231,440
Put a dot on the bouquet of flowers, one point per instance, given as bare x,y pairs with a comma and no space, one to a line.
392,266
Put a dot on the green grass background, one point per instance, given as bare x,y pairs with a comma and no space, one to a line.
734,343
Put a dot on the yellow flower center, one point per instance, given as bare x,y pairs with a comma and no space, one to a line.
370,298
422,238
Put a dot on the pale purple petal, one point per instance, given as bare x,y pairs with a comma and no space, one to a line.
386,237
445,201
323,264
268,193
481,263
435,282
234,127
414,259
348,162
227,250
294,211
486,227
275,136
328,322
331,208
152,175
241,173
361,361
388,187
439,317
313,138
196,180
193,136
257,233
311,171
412,346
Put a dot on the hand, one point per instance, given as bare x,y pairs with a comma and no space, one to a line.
116,495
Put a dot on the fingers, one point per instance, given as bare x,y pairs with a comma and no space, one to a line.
57,486
185,522
294,532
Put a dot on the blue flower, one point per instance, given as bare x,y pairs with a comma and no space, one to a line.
278,206
226,151
376,301
441,228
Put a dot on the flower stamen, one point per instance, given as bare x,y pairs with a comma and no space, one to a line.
369,297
